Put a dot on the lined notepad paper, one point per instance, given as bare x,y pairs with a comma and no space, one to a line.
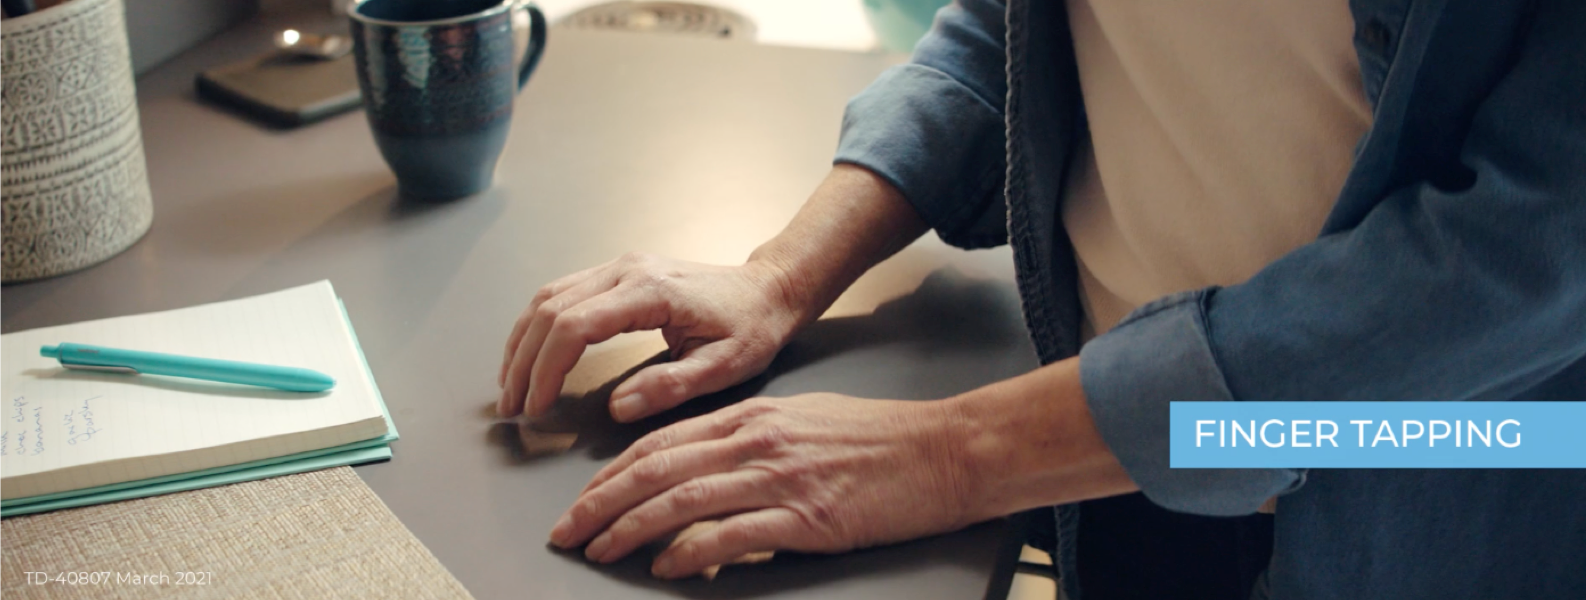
67,430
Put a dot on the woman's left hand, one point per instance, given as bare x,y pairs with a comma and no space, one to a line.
811,473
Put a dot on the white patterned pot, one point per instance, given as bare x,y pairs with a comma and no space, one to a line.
74,187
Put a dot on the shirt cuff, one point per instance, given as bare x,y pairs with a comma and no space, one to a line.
940,144
1156,355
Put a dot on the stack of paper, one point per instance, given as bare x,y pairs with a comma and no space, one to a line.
73,438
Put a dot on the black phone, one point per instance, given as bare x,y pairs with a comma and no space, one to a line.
284,90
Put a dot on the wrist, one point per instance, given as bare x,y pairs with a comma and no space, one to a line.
787,285
1030,441
964,452
852,221
982,451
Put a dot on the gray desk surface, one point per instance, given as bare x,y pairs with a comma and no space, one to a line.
693,149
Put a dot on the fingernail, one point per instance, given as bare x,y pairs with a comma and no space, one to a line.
663,567
627,408
563,528
597,549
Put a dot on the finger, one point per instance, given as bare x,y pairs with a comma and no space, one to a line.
529,346
595,509
622,309
674,509
716,425
758,531
521,326
709,368
547,305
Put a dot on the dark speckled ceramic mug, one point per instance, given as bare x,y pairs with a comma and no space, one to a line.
439,78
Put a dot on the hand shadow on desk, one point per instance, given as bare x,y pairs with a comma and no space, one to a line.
788,571
581,419
175,384
948,313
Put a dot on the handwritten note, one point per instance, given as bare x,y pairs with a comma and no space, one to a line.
66,430
76,425
79,423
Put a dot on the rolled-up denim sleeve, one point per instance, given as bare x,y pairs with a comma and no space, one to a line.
934,127
1158,354
1472,288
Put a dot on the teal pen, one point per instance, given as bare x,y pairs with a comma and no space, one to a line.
98,358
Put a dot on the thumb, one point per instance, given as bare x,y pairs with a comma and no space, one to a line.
709,368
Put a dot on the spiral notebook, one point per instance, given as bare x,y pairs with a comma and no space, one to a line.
72,438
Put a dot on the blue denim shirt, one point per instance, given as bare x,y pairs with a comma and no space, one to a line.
1452,267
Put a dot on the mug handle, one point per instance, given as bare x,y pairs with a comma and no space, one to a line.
531,55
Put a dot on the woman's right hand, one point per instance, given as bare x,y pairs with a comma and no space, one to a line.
723,324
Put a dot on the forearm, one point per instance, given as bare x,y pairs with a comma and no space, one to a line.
1030,441
853,221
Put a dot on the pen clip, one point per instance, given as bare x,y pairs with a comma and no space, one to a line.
100,368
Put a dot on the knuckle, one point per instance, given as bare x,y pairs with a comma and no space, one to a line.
665,280
654,442
649,278
733,363
588,510
627,525
646,270
721,425
768,438
756,407
652,469
544,294
791,477
692,496
638,266
689,553
755,357
746,533
548,311
820,514
569,322
673,380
